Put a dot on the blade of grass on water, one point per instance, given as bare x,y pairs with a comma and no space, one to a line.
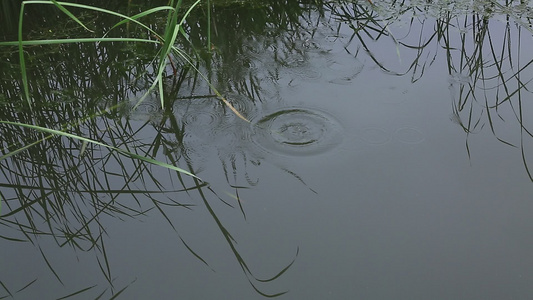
68,13
22,60
134,155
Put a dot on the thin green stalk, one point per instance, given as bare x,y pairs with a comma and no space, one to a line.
22,61
172,30
134,155
68,13
208,26
169,38
78,40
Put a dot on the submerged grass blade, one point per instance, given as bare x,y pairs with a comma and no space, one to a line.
194,253
232,244
50,266
6,289
27,285
77,292
122,290
15,152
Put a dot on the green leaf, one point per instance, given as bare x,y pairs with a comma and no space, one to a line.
134,155
68,13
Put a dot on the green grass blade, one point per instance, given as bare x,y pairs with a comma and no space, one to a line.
110,12
173,28
78,40
22,60
133,155
15,152
170,36
226,102
208,26
140,15
168,40
68,13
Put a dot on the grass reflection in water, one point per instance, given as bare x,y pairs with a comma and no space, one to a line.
76,160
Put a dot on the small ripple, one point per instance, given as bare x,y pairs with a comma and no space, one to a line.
200,117
375,135
148,110
297,132
304,72
409,135
205,119
344,71
245,105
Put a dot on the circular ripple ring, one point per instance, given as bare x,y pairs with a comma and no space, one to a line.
297,132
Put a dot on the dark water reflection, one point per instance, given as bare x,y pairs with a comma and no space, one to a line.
386,157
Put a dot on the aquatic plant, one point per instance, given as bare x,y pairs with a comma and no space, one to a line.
167,41
489,74
57,177
74,171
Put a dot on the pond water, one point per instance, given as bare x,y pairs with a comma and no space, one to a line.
384,155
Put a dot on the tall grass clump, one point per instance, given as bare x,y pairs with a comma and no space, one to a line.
175,18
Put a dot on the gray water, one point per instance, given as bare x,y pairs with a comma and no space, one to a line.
355,170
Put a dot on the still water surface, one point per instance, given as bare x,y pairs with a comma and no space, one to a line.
373,165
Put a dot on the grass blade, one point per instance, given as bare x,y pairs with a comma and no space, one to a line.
134,155
68,13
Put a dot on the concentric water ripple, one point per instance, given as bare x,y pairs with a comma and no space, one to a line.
344,71
409,135
297,132
204,117
200,117
148,110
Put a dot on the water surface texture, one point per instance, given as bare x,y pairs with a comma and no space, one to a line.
381,150
297,132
